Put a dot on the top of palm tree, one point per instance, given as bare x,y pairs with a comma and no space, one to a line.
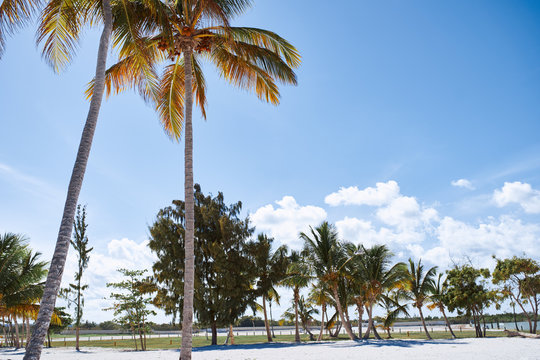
419,284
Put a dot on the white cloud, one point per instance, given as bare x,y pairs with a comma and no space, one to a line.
519,193
382,194
464,183
286,221
102,269
29,183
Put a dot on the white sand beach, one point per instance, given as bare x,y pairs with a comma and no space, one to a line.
477,349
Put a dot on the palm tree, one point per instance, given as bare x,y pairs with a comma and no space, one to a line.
437,298
391,303
327,257
297,277
21,276
420,286
373,266
271,268
304,310
186,32
319,296
61,24
13,15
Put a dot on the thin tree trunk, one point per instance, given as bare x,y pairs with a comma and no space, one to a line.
27,331
524,313
271,319
268,334
447,322
189,272
296,331
18,338
54,277
370,323
360,309
322,322
77,332
231,334
346,324
23,328
376,333
423,322
134,338
214,333
514,312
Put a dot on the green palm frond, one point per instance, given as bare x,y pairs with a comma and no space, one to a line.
59,31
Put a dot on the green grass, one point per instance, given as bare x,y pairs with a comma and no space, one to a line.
199,341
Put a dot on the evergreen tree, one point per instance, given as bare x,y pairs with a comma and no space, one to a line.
225,269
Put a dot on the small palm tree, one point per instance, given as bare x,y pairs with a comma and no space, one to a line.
391,303
420,286
297,277
437,299
319,296
271,268
304,310
327,258
373,266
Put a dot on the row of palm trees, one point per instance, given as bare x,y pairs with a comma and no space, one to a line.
21,287
343,275
150,35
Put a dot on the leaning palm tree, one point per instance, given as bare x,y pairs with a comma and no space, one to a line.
437,299
391,302
61,24
182,34
303,309
13,15
378,276
297,277
327,258
420,286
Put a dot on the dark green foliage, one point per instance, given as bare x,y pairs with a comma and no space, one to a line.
224,260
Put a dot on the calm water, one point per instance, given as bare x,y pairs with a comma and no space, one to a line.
522,325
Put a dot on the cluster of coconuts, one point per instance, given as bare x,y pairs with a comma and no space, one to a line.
202,44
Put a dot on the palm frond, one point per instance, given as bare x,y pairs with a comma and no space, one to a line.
13,15
59,31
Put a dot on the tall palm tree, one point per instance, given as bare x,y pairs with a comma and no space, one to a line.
420,286
297,277
327,258
61,24
378,277
437,299
13,15
185,32
271,268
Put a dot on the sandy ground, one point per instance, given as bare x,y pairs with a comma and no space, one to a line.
475,349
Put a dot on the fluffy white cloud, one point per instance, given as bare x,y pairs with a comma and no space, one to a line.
519,193
381,194
287,220
501,237
464,183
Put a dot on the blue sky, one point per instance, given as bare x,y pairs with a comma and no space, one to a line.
400,97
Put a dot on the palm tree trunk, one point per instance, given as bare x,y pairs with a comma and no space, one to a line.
77,332
189,272
54,277
360,313
370,322
322,322
447,322
423,322
214,333
27,331
18,338
346,324
268,333
296,331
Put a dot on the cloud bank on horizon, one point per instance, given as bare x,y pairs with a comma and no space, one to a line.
413,229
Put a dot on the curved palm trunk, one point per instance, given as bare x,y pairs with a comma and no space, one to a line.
322,322
423,321
296,331
360,315
346,324
54,277
447,322
266,325
189,271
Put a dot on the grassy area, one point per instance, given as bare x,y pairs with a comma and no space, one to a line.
198,341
